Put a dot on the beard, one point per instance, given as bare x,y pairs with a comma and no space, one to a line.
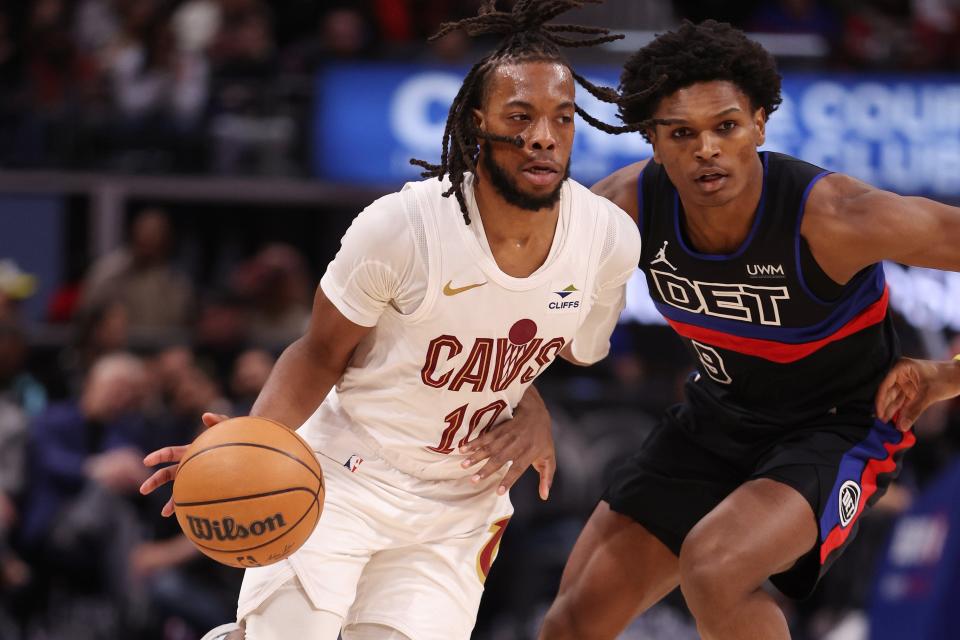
507,187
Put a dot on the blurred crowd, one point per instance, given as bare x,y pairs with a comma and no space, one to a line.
82,554
225,86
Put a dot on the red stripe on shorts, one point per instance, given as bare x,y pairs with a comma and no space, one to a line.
868,485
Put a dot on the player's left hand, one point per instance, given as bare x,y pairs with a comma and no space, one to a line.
913,385
523,441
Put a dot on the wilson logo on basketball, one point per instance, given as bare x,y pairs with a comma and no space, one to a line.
228,529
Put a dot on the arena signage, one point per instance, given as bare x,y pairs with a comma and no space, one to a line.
896,132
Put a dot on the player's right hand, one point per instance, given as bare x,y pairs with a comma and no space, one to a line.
171,454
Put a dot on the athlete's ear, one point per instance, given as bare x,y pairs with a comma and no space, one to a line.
652,136
760,120
478,119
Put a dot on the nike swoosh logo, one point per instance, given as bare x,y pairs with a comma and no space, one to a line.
451,291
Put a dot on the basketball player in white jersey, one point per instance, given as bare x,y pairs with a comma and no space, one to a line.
426,333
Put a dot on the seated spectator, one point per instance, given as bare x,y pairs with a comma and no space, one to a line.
15,285
157,295
876,35
100,329
85,464
93,440
277,285
17,385
250,372
21,398
797,16
181,586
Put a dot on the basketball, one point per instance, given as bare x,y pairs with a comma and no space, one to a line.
248,492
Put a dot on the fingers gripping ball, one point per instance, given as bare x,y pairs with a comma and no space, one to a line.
248,492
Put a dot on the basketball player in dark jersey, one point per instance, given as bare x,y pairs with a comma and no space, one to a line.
768,268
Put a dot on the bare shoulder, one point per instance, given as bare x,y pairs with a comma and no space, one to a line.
620,187
845,222
831,207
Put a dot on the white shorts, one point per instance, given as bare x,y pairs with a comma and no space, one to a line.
392,549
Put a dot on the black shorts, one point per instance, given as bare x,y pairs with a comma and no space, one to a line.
841,464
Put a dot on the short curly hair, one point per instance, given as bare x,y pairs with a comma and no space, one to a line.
695,53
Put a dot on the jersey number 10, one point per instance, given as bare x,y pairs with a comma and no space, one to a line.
455,419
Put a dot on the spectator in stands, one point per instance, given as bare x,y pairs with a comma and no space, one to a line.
937,25
99,329
197,392
17,386
164,567
250,372
341,33
277,284
253,131
168,367
85,463
196,23
877,35
21,397
221,331
164,570
156,294
92,440
797,16
96,26
244,56
15,285
58,79
345,32
157,80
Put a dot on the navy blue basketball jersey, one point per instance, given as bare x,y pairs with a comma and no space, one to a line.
775,340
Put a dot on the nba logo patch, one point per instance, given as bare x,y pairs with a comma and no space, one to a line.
353,462
849,501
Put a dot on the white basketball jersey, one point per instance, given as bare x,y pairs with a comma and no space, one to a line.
421,384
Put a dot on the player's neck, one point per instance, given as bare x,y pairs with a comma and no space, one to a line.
723,228
520,239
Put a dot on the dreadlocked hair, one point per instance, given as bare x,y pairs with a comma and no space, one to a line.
526,38
695,53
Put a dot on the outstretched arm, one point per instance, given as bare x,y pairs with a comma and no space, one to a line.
308,368
851,225
300,380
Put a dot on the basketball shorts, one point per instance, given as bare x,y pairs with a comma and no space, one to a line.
392,549
841,464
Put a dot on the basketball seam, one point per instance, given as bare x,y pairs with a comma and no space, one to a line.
292,527
297,437
259,446
251,496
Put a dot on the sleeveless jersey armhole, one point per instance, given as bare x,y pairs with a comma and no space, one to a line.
642,180
817,278
647,183
601,245
425,233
